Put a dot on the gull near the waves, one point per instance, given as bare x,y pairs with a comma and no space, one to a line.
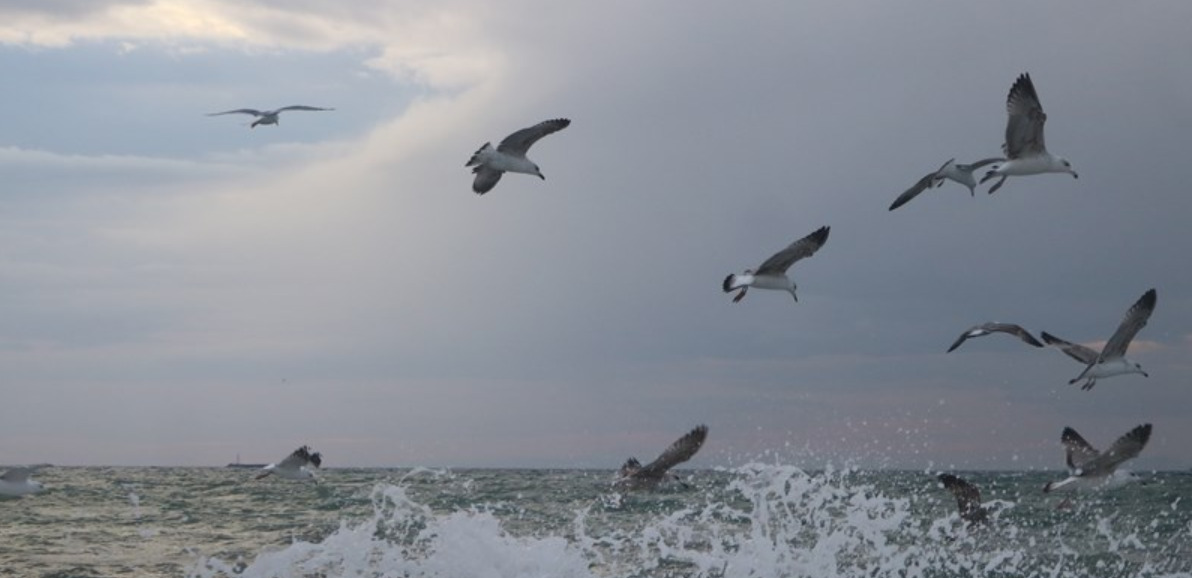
297,466
1024,148
268,116
950,170
772,273
488,164
1090,468
995,327
634,476
1111,360
16,482
968,499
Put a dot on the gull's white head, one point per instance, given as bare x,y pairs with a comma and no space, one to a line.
1066,167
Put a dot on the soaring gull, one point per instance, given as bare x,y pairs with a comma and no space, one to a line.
296,466
267,116
1111,360
634,476
995,327
15,483
1090,468
960,173
510,156
968,499
1024,148
772,273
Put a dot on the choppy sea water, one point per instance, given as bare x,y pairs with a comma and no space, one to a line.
756,520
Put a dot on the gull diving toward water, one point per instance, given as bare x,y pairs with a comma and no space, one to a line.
634,476
772,273
1024,148
267,116
1111,360
1090,468
15,483
960,173
296,466
968,499
510,156
995,327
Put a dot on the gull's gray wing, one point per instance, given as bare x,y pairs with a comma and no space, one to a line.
995,327
16,475
301,107
923,184
486,178
1085,355
805,247
521,141
1024,127
677,453
1135,320
1126,447
1077,452
251,111
968,497
974,166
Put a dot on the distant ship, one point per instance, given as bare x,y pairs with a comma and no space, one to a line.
237,464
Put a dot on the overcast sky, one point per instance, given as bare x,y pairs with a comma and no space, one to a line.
179,289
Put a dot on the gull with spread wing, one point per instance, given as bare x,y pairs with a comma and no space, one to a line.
1111,360
772,273
1090,468
952,170
268,116
488,164
634,476
296,466
1025,151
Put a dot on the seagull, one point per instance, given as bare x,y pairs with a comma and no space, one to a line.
968,499
1090,468
772,273
15,483
295,466
634,476
960,173
489,163
267,116
995,327
1111,360
1024,149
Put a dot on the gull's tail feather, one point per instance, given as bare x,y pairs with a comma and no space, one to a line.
475,160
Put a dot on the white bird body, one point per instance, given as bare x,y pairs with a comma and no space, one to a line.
16,483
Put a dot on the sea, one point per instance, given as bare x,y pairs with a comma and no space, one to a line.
756,520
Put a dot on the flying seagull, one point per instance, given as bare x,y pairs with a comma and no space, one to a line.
15,483
1024,148
772,273
489,163
960,173
1111,360
634,476
267,116
968,499
1090,468
296,466
995,327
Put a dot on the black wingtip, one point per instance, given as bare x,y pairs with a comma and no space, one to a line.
728,283
1148,299
821,235
1025,86
1141,433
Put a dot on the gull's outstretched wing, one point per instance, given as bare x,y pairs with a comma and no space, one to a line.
995,327
1126,447
301,107
1077,451
519,142
1085,355
1024,125
968,497
251,111
301,457
923,184
677,453
805,247
486,179
1135,320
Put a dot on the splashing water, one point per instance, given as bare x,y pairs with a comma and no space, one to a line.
753,521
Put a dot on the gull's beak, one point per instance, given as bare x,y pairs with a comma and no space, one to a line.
1074,175
541,176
